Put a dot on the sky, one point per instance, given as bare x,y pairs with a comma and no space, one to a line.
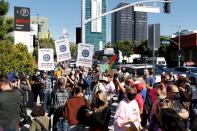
67,14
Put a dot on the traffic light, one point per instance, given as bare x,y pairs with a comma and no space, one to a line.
35,41
166,6
39,28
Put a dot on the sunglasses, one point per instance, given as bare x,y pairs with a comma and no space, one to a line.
165,100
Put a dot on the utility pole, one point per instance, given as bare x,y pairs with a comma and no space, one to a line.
38,30
179,52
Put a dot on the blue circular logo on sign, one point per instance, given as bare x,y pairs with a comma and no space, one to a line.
85,53
62,48
46,57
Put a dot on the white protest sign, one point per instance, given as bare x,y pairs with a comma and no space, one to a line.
62,50
45,59
85,54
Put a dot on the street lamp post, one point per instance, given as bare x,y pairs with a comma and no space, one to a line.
84,21
179,53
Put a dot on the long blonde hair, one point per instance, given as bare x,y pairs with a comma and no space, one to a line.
103,98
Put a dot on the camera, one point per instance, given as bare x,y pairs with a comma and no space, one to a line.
26,120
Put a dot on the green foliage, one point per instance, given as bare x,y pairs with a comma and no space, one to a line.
15,58
44,43
73,50
143,49
47,43
126,47
162,52
4,6
109,45
6,23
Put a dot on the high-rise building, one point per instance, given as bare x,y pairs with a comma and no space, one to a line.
96,30
128,25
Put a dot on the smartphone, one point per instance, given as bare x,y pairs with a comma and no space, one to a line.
87,110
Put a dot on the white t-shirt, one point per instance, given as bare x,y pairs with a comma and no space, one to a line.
127,111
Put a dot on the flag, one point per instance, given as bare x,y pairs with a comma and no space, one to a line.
113,61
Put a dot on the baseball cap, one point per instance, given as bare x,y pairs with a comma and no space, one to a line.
139,86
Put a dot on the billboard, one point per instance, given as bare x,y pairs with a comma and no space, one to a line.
96,10
21,19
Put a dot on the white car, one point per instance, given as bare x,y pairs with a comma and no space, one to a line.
190,72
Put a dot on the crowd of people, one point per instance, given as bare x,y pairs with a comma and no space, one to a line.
81,100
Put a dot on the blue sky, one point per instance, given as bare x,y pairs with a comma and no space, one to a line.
67,14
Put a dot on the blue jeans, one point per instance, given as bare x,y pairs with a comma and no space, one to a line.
47,98
77,128
62,125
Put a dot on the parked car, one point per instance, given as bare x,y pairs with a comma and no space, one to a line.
190,72
157,60
139,69
164,68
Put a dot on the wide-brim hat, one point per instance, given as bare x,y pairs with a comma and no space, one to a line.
104,78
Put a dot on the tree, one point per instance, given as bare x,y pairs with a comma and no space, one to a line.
109,45
47,43
44,43
15,58
6,23
73,50
143,49
126,47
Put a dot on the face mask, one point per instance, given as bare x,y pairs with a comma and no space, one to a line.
99,102
177,96
131,96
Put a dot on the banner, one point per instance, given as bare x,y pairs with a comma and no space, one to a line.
21,19
85,54
62,50
45,59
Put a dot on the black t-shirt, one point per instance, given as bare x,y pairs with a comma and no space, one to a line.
37,81
100,119
9,108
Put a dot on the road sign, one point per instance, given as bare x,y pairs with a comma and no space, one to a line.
147,9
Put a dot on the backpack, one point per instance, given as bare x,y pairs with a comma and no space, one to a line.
59,99
148,103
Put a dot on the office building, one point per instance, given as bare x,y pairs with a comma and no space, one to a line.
128,25
96,30
43,30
